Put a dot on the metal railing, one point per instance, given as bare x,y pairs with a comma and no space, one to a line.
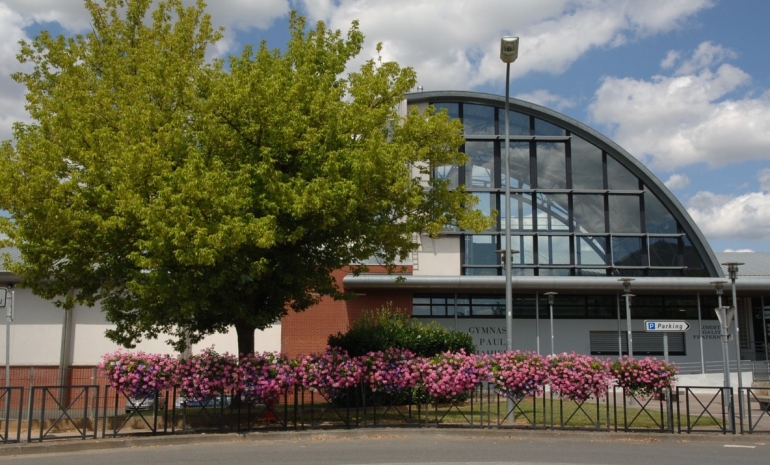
66,412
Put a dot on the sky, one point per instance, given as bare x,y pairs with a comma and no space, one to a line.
682,85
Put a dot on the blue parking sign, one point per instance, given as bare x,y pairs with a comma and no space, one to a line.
651,325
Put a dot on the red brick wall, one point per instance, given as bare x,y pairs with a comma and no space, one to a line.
307,332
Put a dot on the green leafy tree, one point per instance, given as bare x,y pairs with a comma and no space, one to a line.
186,196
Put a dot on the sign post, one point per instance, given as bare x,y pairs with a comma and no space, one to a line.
8,319
665,327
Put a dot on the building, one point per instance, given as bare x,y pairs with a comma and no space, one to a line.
585,215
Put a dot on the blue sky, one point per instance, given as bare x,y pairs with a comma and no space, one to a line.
683,85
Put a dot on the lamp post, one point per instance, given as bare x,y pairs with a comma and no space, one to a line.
724,319
732,270
627,293
509,51
550,305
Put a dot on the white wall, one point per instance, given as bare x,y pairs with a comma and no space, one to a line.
36,335
573,335
438,256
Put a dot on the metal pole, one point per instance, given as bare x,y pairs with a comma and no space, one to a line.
700,338
732,269
506,167
8,320
550,305
509,51
627,293
725,364
553,352
537,321
628,322
620,331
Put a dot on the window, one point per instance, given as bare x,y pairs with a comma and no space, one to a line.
606,343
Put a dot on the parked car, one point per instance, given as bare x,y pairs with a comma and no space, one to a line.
141,404
211,402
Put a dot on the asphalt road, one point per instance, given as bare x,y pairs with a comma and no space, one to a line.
386,447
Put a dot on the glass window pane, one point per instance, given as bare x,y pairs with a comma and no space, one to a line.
587,168
601,306
480,169
625,214
657,218
518,123
627,251
478,119
449,173
619,178
521,212
551,165
488,306
544,128
420,310
452,108
591,272
555,272
526,248
588,212
486,203
591,250
692,260
481,250
664,251
569,307
519,165
481,271
553,250
552,212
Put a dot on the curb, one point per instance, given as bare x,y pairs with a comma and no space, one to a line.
81,445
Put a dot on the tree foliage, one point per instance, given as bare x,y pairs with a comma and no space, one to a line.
187,195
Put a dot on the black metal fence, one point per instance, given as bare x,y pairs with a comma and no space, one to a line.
67,412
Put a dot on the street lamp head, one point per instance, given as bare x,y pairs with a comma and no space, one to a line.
626,284
718,286
732,269
550,297
509,49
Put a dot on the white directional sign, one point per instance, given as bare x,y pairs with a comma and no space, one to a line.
666,326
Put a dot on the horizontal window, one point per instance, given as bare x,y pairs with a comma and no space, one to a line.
644,343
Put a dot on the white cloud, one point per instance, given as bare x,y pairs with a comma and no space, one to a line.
454,44
739,250
11,94
677,181
764,179
722,216
674,121
547,99
705,56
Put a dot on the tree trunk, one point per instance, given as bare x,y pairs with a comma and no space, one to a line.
245,334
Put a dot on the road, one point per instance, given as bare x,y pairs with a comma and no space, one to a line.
386,447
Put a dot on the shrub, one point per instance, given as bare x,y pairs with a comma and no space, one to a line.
518,374
208,374
452,376
265,377
385,328
139,375
392,371
331,372
577,377
644,377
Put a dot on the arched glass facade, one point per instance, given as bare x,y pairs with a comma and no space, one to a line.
580,205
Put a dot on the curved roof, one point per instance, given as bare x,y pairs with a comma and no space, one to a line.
656,187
